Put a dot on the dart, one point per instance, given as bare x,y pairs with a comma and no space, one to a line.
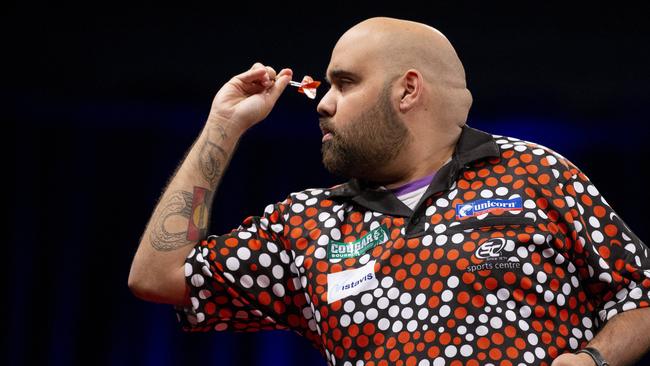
307,86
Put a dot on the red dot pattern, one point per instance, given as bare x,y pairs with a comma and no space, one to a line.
566,264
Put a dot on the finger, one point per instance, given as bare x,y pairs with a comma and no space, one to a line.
253,74
270,72
281,83
269,78
282,73
285,72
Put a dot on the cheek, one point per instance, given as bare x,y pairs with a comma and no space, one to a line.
350,104
347,116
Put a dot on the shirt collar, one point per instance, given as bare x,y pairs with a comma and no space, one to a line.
472,145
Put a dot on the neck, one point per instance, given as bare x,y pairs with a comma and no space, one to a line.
419,158
421,168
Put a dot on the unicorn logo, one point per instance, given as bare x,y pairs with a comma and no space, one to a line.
466,210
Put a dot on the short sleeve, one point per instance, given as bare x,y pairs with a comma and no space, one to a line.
612,261
244,280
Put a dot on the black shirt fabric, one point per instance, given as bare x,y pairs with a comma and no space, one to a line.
512,256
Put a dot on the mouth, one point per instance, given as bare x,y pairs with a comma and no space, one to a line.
327,133
325,130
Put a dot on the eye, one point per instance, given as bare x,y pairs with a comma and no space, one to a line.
343,84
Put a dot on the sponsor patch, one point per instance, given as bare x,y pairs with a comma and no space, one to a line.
338,250
490,249
495,254
351,282
475,208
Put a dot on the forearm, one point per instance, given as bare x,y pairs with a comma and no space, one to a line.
181,216
180,219
625,338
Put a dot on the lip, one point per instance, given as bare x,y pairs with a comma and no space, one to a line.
327,136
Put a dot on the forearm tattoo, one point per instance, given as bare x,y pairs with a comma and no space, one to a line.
191,206
212,157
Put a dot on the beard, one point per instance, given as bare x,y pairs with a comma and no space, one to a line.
366,143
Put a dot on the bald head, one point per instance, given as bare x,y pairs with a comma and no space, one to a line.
399,45
403,44
397,102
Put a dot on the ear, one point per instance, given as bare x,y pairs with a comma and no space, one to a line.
411,87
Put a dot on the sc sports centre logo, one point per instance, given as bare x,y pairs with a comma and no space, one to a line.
490,249
475,208
496,254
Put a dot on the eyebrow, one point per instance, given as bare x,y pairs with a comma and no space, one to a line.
337,74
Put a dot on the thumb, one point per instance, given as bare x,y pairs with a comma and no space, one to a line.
281,82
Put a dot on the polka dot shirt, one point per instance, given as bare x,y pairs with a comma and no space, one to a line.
511,257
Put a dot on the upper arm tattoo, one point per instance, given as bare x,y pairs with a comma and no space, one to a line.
191,206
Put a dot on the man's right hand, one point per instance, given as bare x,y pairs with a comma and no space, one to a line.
249,97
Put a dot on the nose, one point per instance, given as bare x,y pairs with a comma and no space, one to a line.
327,105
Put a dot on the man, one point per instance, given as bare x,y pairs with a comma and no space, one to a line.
447,245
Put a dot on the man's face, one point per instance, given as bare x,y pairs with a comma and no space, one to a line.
365,131
364,143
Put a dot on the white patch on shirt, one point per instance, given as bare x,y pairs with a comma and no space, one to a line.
351,282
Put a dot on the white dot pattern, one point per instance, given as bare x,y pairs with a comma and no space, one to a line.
452,292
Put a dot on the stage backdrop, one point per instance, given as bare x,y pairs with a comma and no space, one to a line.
102,103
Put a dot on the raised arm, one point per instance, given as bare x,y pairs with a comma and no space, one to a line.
180,218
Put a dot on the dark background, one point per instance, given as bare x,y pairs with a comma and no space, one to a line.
102,101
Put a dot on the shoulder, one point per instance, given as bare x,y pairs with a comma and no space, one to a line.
313,195
532,158
319,198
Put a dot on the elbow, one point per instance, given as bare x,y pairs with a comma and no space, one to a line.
143,291
172,290
137,287
140,281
